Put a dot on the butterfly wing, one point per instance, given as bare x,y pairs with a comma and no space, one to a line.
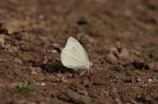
74,55
71,58
72,42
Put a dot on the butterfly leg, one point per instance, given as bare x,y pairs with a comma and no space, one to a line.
82,73
81,70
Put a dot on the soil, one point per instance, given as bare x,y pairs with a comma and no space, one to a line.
119,36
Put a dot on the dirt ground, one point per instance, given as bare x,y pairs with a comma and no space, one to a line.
120,37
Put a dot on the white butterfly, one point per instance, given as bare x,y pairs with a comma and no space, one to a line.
74,55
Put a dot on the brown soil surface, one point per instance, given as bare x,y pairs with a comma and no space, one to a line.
120,37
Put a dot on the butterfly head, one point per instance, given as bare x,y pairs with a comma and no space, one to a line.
89,64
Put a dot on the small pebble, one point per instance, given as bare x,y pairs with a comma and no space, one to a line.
43,84
74,97
105,46
139,79
54,51
42,38
33,72
124,53
111,58
37,69
150,80
141,32
41,16
113,50
55,44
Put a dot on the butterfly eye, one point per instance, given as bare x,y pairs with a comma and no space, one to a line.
74,49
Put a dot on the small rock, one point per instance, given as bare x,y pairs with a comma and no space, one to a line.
137,53
11,49
43,84
138,65
106,93
69,76
37,69
117,101
105,46
2,60
55,45
89,40
5,36
12,26
74,97
2,42
59,75
45,60
25,36
150,80
141,32
111,58
42,39
146,97
118,45
130,67
94,31
60,78
150,65
41,16
154,79
14,85
28,28
55,100
138,96
84,39
113,50
54,51
19,61
82,92
33,72
124,53
31,69
97,80
139,79
143,85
